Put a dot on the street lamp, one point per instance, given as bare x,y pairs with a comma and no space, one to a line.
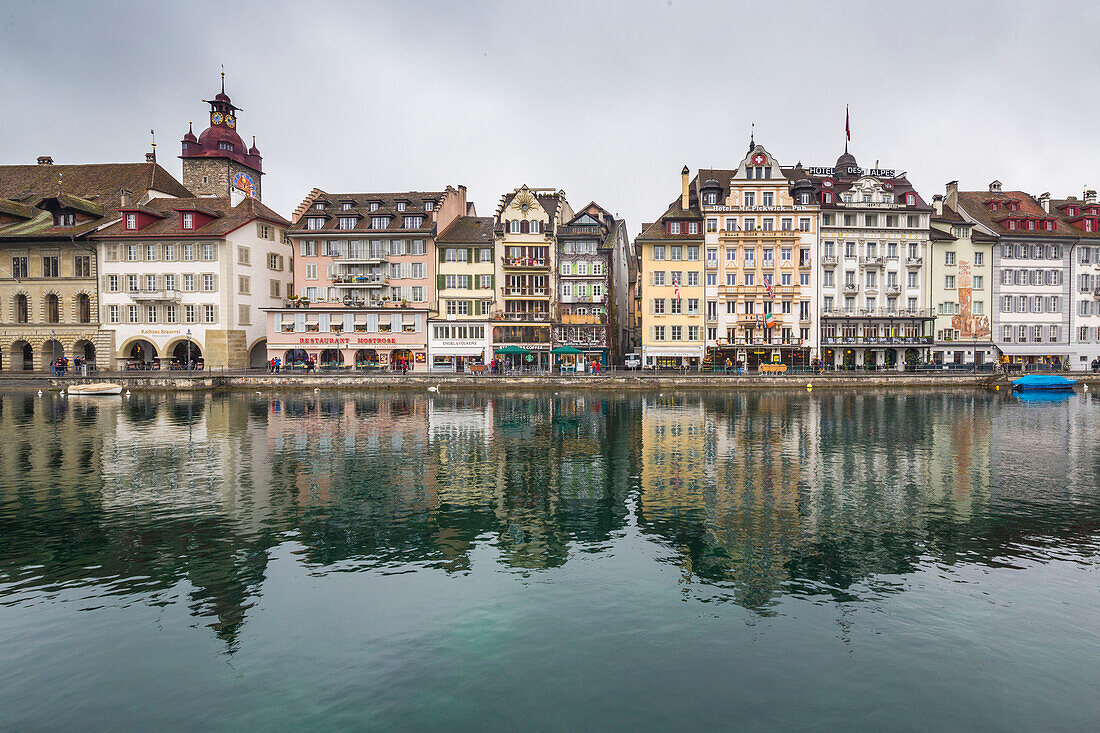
189,353
53,351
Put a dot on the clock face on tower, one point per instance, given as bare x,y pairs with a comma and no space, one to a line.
231,120
215,118
243,182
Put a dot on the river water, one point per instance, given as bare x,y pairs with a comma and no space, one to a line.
826,560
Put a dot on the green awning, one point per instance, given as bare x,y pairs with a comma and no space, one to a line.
511,350
566,350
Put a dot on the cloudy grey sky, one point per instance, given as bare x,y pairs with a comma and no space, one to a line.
607,100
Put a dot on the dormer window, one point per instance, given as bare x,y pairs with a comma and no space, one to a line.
1071,210
374,206
674,227
223,145
131,221
1011,223
712,197
188,221
846,198
346,206
320,206
887,198
429,205
803,198
347,222
315,222
994,206
401,205
1013,206
1030,224
827,197
1088,225
414,222
379,222
66,220
910,199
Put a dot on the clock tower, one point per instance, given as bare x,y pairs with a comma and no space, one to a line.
217,163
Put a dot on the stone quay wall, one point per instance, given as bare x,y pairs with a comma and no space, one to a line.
619,382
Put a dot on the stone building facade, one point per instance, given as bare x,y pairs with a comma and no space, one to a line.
49,269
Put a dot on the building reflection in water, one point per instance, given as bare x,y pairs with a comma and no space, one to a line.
753,496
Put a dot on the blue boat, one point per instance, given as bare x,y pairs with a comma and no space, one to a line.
1043,382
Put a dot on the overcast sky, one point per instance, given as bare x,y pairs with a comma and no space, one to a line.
607,100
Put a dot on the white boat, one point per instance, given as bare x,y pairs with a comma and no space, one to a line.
95,388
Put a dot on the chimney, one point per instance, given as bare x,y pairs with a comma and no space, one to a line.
1044,201
952,200
685,199
995,187
151,157
126,199
45,160
1090,197
937,204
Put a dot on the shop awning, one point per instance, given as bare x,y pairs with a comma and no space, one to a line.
566,350
511,350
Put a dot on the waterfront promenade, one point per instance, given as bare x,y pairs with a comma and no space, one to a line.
616,380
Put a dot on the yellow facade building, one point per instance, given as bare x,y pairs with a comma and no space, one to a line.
672,294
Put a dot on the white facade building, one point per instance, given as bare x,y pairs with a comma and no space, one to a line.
188,276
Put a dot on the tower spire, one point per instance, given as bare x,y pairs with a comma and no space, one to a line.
752,136
223,78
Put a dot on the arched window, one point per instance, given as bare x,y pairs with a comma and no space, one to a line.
22,312
534,227
515,226
84,308
53,309
826,198
524,227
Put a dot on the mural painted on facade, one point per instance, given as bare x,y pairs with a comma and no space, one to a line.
970,326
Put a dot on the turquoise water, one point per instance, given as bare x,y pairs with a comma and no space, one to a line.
834,560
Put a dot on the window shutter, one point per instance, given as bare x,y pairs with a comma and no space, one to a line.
372,322
215,283
441,252
439,282
299,322
395,322
418,322
277,321
470,255
470,307
492,281
349,322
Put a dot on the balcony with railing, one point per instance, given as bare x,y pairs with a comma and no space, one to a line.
876,340
829,260
914,261
893,290
156,295
359,281
872,261
851,289
359,258
528,292
525,263
856,313
523,316
583,318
